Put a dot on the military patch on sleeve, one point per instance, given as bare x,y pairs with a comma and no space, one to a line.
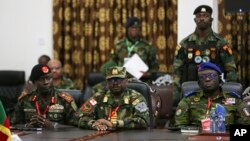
227,49
87,107
142,107
178,112
177,49
93,101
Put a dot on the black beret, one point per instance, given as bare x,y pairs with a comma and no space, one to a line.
209,65
132,21
38,71
203,8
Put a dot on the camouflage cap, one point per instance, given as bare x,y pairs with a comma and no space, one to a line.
132,21
203,8
38,71
116,72
209,65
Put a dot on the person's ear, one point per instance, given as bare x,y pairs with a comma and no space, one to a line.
212,19
199,82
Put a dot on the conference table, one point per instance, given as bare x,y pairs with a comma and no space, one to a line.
69,133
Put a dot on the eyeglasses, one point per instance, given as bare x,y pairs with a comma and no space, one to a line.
208,75
45,78
115,80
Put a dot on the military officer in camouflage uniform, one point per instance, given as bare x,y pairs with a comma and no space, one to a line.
133,43
118,108
196,106
203,45
46,106
60,81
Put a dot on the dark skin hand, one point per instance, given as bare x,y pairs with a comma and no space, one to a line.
102,125
40,121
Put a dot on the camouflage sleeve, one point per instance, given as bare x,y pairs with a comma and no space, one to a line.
182,113
70,107
241,117
17,117
140,117
228,61
178,63
152,59
85,115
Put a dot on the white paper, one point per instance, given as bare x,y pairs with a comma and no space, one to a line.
135,66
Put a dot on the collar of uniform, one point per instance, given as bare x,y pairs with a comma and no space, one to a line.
210,36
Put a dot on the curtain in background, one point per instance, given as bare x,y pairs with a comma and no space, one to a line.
235,27
85,31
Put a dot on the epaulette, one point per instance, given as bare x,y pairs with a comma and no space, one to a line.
189,93
234,94
66,96
23,94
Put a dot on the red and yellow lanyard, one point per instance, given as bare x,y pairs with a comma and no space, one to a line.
112,113
209,104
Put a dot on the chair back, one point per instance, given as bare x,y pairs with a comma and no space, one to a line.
93,78
11,85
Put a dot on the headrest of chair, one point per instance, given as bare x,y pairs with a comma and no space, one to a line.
140,87
94,78
233,87
11,77
189,86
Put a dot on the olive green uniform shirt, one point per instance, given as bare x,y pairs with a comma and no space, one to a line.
61,108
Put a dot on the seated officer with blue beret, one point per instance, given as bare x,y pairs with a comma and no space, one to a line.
117,108
203,45
46,106
196,106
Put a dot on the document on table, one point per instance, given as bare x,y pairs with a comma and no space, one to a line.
135,66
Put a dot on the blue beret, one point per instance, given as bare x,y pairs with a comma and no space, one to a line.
38,71
209,65
203,8
132,21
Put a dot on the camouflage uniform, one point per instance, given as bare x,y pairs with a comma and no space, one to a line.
66,83
132,112
145,50
128,111
191,52
61,107
193,107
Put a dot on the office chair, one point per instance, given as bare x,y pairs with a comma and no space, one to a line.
11,86
145,90
93,78
76,94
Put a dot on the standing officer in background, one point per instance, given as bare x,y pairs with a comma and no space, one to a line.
196,106
46,106
131,44
203,45
117,108
60,81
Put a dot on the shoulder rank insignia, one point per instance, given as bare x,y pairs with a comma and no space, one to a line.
93,101
23,94
66,97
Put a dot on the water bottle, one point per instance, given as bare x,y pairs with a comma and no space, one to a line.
213,121
221,114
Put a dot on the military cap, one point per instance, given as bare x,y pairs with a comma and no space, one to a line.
38,71
132,21
116,72
203,8
209,65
